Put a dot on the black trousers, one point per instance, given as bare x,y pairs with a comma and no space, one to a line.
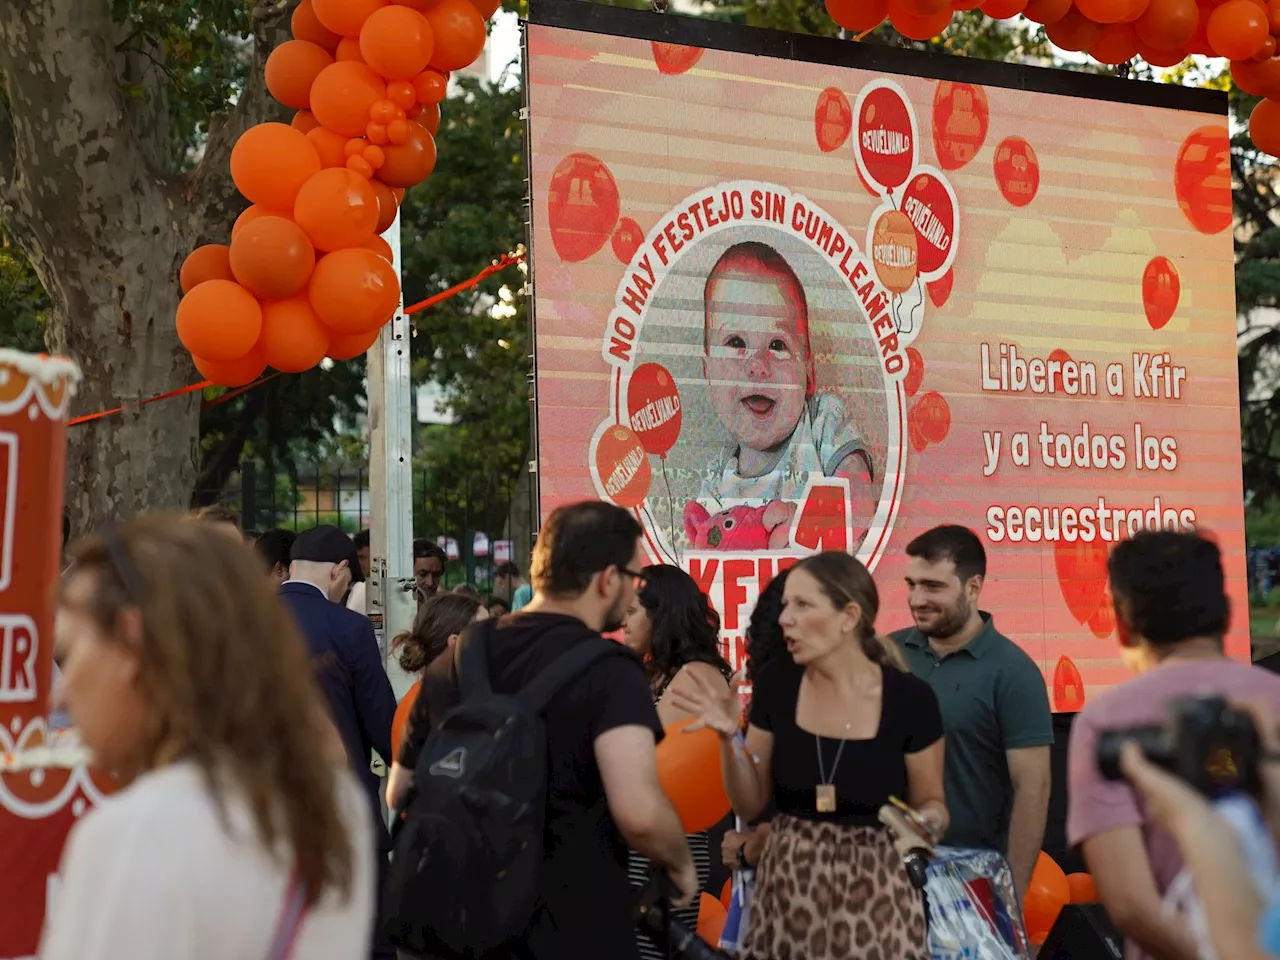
381,948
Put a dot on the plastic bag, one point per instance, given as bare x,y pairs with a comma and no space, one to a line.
973,907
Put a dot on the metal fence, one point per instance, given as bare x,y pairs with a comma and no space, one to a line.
479,523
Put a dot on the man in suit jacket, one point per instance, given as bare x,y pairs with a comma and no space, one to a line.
348,662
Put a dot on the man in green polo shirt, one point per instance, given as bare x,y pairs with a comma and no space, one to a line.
995,709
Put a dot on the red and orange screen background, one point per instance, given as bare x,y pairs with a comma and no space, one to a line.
921,219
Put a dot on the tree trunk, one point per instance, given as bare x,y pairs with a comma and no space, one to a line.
87,188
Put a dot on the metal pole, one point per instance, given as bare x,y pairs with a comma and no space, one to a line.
390,475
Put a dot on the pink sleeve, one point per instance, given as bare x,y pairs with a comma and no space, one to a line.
1094,805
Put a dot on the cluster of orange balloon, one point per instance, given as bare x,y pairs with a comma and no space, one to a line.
1162,32
307,274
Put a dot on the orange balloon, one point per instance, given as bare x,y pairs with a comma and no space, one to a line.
1116,45
373,156
1268,50
342,95
360,166
923,8
232,373
402,95
459,34
711,917
307,27
354,290
918,28
411,163
397,42
305,121
251,213
1161,58
332,147
349,346
210,262
291,70
401,720
1168,24
1273,16
271,258
348,50
1111,11
1237,29
1259,79
380,247
1200,42
726,893
1074,31
336,208
689,773
346,17
1082,887
271,162
1047,894
1264,127
219,320
430,86
387,205
419,5
430,118
293,338
1046,11
1003,9
487,8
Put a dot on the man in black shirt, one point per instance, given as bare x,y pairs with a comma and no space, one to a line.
602,729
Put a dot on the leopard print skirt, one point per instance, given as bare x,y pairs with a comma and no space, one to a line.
830,892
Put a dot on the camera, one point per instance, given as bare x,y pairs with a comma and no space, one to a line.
653,916
1204,740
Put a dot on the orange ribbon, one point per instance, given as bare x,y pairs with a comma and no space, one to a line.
431,301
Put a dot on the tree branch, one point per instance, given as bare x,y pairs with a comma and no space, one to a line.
218,465
208,193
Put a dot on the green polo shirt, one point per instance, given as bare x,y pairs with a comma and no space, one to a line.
993,699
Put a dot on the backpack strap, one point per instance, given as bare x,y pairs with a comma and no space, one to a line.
538,692
472,660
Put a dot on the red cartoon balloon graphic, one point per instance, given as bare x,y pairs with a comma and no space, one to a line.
627,239
931,207
832,119
653,403
1202,179
940,289
672,58
893,251
886,135
622,466
863,180
914,432
1103,621
1061,356
1160,290
1082,575
915,372
1017,171
582,206
961,117
1068,687
934,416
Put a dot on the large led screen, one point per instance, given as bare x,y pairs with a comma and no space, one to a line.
785,305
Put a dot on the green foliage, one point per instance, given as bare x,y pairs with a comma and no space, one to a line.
23,303
475,344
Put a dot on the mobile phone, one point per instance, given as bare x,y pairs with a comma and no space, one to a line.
915,818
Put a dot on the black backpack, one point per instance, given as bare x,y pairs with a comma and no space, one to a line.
465,871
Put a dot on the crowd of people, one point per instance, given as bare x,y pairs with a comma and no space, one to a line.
244,705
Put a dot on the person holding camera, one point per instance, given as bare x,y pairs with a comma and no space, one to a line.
833,743
1172,613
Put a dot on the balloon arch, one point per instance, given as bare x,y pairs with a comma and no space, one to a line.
306,274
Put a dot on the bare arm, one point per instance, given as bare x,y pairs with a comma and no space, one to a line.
924,785
1117,860
1030,776
628,765
1224,884
748,780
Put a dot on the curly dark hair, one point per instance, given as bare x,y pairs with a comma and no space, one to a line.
439,618
684,627
765,642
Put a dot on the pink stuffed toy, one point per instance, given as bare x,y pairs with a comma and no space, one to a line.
739,528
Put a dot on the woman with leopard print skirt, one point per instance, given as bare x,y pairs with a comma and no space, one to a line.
830,743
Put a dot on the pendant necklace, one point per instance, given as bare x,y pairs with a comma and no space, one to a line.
825,790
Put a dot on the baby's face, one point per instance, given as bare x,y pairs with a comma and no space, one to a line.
758,358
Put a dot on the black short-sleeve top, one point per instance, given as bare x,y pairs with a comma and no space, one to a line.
868,771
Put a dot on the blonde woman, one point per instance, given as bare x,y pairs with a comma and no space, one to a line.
240,833
830,743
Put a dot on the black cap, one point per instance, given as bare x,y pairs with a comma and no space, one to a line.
327,544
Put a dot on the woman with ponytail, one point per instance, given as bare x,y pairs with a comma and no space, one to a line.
830,743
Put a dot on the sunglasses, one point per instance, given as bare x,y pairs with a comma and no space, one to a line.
640,579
